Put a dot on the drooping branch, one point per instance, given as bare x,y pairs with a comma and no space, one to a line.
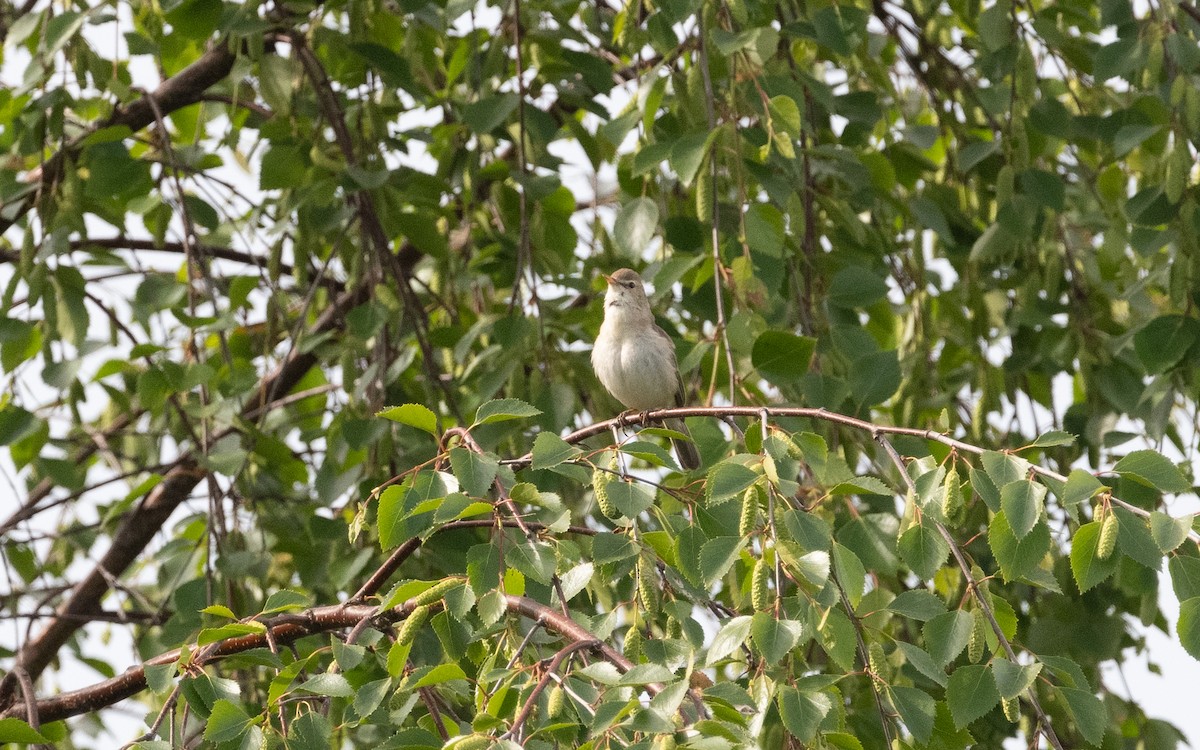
874,430
981,599
288,628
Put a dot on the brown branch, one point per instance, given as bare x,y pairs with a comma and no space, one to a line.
551,669
212,251
184,88
140,527
288,628
655,416
864,654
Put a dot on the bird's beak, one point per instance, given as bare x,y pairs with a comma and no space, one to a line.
607,278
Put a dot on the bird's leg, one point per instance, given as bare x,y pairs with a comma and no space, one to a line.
624,417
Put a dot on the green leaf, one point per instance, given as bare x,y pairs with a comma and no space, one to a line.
765,230
1188,627
1091,718
688,544
717,556
802,712
15,730
837,638
729,638
855,286
636,223
1017,557
549,450
921,661
687,154
439,674
1052,439
160,677
1013,679
851,574
861,486
875,377
503,409
1153,470
1134,539
283,166
534,559
727,480
785,114
1003,468
1087,568
918,604
489,112
1185,576
475,471
947,635
917,710
16,423
1130,137
227,722
971,693
285,600
233,630
413,415
631,498
782,357
985,488
923,549
329,683
1081,486
808,530
390,519
1168,532
774,638
1022,502
1164,341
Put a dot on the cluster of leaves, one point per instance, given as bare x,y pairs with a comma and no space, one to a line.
933,217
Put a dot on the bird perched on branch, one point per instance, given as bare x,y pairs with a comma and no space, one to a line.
635,359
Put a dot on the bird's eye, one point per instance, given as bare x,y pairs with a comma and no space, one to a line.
629,285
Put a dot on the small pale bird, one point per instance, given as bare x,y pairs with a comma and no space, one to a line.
635,359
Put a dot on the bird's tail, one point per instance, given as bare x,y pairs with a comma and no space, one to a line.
685,450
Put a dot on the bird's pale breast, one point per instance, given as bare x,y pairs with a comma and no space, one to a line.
638,368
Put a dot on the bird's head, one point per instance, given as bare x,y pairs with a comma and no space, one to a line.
625,290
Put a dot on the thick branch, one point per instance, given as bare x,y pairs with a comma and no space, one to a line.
286,629
140,527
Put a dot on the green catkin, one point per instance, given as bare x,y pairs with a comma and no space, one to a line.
647,591
412,625
759,593
633,644
978,637
600,480
437,591
877,660
1012,709
1108,536
749,517
557,701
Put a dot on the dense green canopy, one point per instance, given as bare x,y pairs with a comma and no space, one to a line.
306,449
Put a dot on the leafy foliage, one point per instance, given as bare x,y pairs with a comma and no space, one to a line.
293,345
